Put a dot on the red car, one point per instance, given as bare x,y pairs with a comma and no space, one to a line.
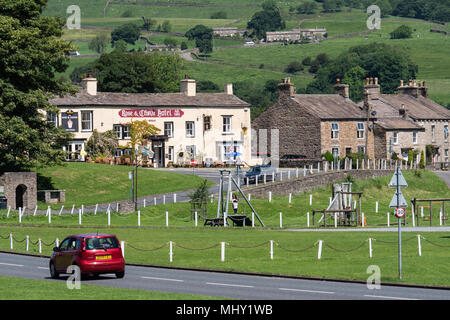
93,253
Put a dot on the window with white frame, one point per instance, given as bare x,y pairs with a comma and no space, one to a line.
190,129
126,132
52,118
445,132
432,133
362,149
117,128
226,121
395,138
122,131
168,129
191,151
360,130
170,154
86,121
415,139
334,130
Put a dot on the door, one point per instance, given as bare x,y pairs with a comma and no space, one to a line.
60,255
21,191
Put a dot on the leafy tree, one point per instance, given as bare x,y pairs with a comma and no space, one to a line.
31,53
203,37
166,26
207,86
148,23
81,72
170,42
128,32
183,45
422,160
120,46
332,5
269,19
308,7
402,32
102,143
354,78
140,130
307,61
219,15
99,43
294,67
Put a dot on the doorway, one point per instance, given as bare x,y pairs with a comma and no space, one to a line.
21,196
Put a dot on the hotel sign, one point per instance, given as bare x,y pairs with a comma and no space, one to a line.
151,113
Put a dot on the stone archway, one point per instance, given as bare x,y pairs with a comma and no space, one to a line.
21,196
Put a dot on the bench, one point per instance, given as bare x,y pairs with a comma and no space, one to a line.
214,222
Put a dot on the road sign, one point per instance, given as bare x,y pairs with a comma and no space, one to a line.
400,212
401,201
401,180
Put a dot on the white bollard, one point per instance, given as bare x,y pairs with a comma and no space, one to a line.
62,208
319,253
362,219
421,212
290,197
145,203
335,220
164,199
270,196
28,243
96,208
307,219
388,220
440,217
370,247
413,219
49,215
271,249
79,217
310,199
281,220
196,219
296,172
20,215
56,242
9,209
222,251
154,201
139,218
170,251
40,245
419,245
253,219
167,218
122,246
73,208
175,198
35,211
11,241
376,207
109,218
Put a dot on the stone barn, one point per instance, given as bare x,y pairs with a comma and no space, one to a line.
19,189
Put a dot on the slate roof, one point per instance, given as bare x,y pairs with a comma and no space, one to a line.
398,124
150,100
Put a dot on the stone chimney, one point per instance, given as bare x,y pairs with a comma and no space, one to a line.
341,89
414,88
188,87
371,89
403,112
89,84
229,88
286,88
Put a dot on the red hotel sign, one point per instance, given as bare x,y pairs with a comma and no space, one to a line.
151,113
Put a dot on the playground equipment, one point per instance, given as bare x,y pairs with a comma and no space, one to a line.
427,215
223,204
340,210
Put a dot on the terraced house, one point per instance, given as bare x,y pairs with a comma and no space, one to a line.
213,127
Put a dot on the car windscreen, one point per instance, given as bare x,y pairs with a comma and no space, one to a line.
101,243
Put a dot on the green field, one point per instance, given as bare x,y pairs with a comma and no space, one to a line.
92,183
30,289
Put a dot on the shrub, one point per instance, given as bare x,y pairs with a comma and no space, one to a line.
307,61
402,32
328,156
294,67
183,45
422,160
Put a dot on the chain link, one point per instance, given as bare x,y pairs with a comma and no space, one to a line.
243,247
291,250
340,250
147,250
194,249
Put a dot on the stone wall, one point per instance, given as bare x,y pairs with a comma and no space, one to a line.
312,181
22,184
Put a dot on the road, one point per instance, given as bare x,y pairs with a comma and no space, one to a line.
444,175
226,285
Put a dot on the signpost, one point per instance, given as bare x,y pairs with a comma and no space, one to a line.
399,202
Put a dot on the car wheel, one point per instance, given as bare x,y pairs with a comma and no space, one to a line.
53,273
120,275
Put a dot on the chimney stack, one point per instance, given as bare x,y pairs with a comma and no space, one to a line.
89,84
229,88
414,88
341,89
188,86
371,89
286,88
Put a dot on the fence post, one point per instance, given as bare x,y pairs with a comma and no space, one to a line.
28,243
96,208
122,246
281,175
79,217
196,220
335,219
270,196
296,172
170,251
370,247
175,198
265,178
49,215
20,215
222,251
253,219
40,245
419,245
289,174
304,170
73,208
388,220
362,219
9,209
310,199
154,201
376,206
290,197
307,219
413,218
35,210
167,218
139,218
271,249
164,199
319,253
11,240
145,204
62,208
440,217
109,218
281,220
56,242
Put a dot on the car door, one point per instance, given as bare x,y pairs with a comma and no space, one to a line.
72,251
60,255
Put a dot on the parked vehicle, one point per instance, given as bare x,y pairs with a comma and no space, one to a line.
258,172
93,253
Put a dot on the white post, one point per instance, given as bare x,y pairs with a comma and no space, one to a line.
362,219
82,209
304,170
370,247
271,249
56,242
310,199
376,206
388,220
20,215
73,208
281,220
222,251
122,246
145,204
419,245
62,208
117,207
270,196
9,209
164,199
265,179
318,166
196,219
253,219
413,218
79,217
319,253
28,243
311,169
154,201
175,198
249,196
40,245
307,219
440,217
96,208
170,251
46,213
139,218
212,198
335,219
289,174
109,218
49,215
167,218
290,197
357,164
354,204
281,175
35,211
421,212
296,172
11,241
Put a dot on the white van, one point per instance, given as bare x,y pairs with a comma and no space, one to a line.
249,43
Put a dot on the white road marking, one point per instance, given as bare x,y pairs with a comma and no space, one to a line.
308,291
11,264
164,279
386,297
43,268
229,285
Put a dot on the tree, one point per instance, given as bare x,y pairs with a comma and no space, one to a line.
148,23
31,53
203,37
422,160
207,86
308,7
269,19
354,78
99,43
219,15
183,45
402,32
307,61
102,143
128,32
138,72
170,42
294,67
120,46
166,26
140,130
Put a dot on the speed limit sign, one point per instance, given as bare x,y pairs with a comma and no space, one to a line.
399,212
